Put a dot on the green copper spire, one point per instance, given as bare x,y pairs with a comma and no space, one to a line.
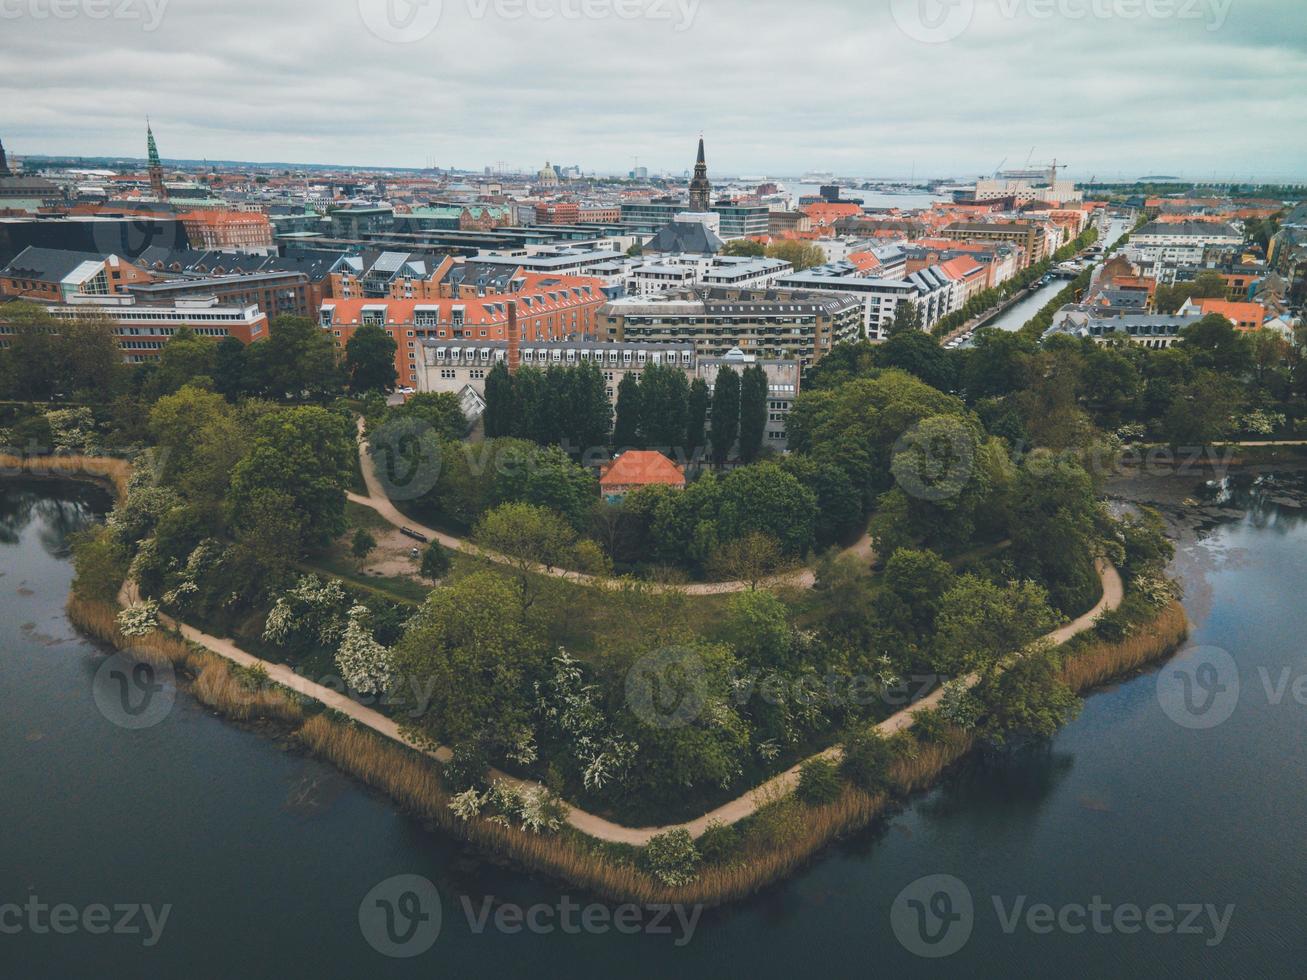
152,149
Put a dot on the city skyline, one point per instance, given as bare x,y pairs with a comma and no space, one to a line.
864,98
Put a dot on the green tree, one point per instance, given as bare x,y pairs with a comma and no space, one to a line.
980,623
664,396
920,354
590,413
744,247
230,369
801,255
307,455
363,543
819,782
370,360
475,663
753,412
297,361
1213,342
907,318
725,414
436,562
186,357
501,403
696,418
533,538
626,429
441,412
1028,699
752,558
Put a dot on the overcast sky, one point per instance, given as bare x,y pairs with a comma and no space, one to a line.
779,87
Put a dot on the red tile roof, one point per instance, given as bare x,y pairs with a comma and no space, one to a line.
638,467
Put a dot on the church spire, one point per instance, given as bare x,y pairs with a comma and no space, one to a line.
4,164
155,165
701,186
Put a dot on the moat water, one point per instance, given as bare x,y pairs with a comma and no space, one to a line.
263,857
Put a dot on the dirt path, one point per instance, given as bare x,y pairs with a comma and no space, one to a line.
589,823
377,500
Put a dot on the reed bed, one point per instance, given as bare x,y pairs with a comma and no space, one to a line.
1102,661
115,472
216,682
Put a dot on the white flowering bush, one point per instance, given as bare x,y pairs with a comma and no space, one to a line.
73,430
206,555
139,619
570,715
365,664
541,812
314,612
959,706
467,804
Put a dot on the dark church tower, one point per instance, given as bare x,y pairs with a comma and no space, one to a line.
701,186
4,164
156,167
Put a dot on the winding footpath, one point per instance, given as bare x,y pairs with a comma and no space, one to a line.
583,821
377,500
589,823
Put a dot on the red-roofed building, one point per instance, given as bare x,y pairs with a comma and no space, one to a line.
970,275
1245,316
548,308
825,214
238,231
638,468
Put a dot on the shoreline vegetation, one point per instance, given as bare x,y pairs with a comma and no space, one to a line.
779,836
412,782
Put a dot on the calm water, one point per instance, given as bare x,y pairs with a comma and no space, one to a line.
265,856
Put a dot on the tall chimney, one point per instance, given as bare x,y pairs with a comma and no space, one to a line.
514,340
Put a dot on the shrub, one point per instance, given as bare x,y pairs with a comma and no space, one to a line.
672,858
929,725
435,562
819,781
718,843
867,758
363,543
468,767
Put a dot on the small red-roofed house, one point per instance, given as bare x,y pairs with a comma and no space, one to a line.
637,468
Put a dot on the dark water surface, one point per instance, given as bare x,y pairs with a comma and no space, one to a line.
265,856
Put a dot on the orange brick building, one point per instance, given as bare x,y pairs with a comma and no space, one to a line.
235,230
549,308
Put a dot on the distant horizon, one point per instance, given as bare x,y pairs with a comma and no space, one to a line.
921,176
